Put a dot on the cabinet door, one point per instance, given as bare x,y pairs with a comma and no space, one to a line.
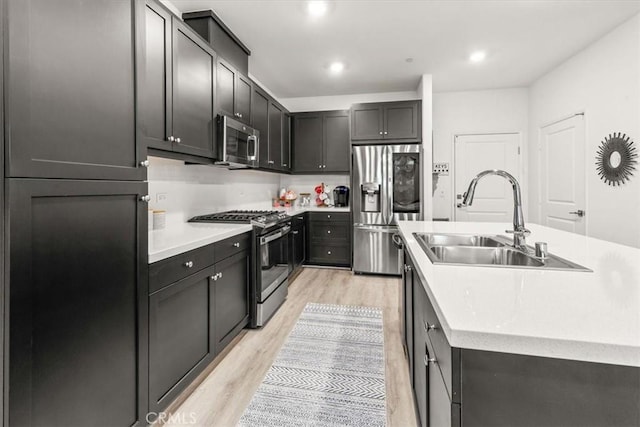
285,164
337,149
77,303
298,230
260,120
275,136
155,93
307,142
70,89
420,372
401,120
243,99
408,311
366,122
179,336
193,93
226,88
231,290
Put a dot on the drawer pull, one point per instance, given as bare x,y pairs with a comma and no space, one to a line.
328,216
328,252
328,231
295,232
188,264
428,360
428,327
236,245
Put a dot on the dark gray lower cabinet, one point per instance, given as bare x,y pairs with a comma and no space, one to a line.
299,240
329,239
179,336
199,302
407,310
231,294
77,340
461,387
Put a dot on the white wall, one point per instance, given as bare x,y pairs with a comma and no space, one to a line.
603,81
425,92
195,190
474,112
343,102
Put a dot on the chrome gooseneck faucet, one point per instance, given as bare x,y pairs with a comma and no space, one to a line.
519,230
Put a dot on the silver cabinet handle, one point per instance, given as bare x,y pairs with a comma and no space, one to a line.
380,132
271,162
188,264
428,360
386,133
319,166
214,277
328,231
284,164
579,212
328,216
144,163
220,275
145,198
178,140
295,232
428,327
171,139
240,115
236,245
328,252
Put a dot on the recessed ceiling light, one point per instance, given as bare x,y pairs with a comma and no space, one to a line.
409,60
317,8
336,67
478,56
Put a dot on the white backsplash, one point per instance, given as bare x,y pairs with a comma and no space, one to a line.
187,190
195,190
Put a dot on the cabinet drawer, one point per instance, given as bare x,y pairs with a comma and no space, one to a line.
336,233
448,359
167,271
329,216
231,246
329,254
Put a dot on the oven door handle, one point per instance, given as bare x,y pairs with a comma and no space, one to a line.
275,235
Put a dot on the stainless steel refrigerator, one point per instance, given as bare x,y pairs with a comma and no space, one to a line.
387,187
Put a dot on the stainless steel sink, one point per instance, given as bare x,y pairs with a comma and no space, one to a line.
486,251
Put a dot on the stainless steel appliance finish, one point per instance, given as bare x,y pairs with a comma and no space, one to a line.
387,185
272,259
238,144
487,251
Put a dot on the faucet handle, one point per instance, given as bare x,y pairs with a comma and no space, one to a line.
522,232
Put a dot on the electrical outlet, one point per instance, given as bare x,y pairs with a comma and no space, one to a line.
442,169
161,197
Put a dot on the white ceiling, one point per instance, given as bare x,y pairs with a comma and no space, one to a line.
523,40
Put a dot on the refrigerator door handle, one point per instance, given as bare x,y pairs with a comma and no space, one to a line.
389,184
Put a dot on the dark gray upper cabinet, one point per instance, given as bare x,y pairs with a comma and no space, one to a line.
260,121
386,121
178,86
337,156
275,136
233,92
286,143
321,142
77,303
70,89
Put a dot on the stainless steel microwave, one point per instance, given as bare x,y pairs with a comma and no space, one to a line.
237,144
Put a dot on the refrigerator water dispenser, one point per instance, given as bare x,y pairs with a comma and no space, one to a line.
371,197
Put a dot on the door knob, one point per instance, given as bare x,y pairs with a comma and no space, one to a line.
579,212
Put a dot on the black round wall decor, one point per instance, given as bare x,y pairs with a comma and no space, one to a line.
616,159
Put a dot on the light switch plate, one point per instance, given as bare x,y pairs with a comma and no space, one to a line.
442,169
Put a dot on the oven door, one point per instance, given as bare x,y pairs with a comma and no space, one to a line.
274,265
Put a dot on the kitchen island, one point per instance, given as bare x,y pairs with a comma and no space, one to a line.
515,346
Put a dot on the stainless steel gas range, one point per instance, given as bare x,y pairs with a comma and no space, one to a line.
271,258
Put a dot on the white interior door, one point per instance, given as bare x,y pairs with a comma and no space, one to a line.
493,201
562,175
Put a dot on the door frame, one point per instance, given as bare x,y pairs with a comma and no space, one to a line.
521,176
580,112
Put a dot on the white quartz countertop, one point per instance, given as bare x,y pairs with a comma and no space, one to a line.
179,238
588,316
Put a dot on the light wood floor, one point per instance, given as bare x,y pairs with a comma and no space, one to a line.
222,397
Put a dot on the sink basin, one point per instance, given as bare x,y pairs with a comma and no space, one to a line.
486,251
459,240
483,256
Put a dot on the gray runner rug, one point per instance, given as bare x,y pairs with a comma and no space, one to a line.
329,372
